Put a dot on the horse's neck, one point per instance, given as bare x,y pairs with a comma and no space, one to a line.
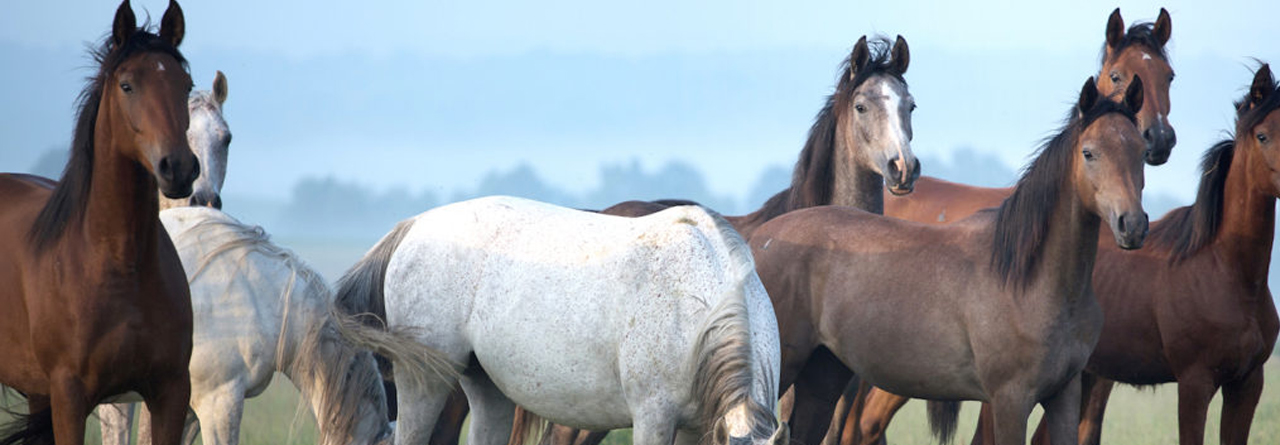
854,185
1069,250
120,216
1248,221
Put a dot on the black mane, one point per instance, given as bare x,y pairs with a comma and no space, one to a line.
1022,221
71,196
813,178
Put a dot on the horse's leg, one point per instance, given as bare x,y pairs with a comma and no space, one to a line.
985,433
1096,391
1062,413
787,403
586,437
168,406
1239,400
70,407
1194,391
116,421
880,407
817,390
448,429
144,427
491,411
838,417
191,431
653,427
220,411
1009,413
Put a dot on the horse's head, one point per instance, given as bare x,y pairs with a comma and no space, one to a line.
1108,161
875,108
209,137
354,404
1140,52
740,427
144,99
1258,128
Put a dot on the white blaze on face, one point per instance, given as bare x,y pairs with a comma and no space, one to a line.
897,136
737,421
1146,56
159,66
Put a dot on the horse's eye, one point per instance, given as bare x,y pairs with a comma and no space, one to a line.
1115,78
913,107
126,87
860,108
1262,137
1171,76
1088,155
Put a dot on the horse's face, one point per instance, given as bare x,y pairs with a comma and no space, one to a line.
737,426
1261,138
145,100
878,121
1108,167
1138,60
209,137
369,425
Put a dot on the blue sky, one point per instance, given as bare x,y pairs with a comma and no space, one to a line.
434,94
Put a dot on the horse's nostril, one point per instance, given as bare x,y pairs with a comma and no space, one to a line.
1120,224
1146,134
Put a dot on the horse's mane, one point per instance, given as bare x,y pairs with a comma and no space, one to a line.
1186,230
813,178
71,196
333,364
723,355
1023,220
1139,34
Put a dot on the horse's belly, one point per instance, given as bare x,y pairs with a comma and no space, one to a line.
922,363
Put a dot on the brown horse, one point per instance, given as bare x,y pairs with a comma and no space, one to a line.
95,301
1138,52
859,145
1004,313
1201,315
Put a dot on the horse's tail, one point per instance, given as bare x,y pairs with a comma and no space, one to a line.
527,428
28,429
413,360
942,419
360,289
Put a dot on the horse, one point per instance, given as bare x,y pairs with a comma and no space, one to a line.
97,307
209,137
1138,52
1201,313
859,144
1006,314
658,323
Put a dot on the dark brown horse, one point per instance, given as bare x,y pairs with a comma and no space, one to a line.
1138,52
997,307
859,145
95,302
1201,313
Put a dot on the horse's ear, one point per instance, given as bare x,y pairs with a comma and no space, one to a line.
1115,29
1163,28
1088,96
901,56
172,25
220,88
1263,87
858,59
124,24
1133,95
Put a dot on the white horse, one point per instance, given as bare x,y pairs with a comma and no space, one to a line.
600,322
260,310
209,137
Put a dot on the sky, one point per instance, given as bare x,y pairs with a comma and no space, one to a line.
425,94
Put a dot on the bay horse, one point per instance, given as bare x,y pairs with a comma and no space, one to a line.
858,145
658,323
1006,314
209,137
96,302
1194,307
1138,52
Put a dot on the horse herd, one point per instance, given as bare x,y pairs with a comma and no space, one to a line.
860,285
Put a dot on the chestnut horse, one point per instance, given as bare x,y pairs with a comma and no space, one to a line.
1138,52
1006,314
859,144
95,301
